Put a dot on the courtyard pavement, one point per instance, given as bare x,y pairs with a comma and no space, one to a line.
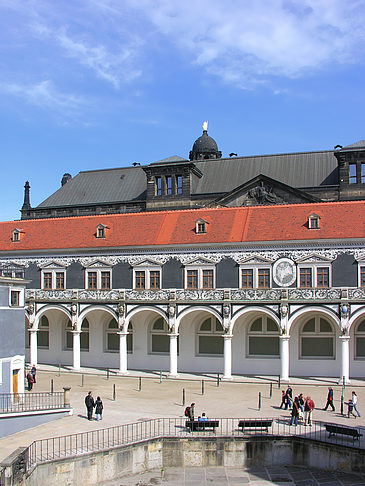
163,397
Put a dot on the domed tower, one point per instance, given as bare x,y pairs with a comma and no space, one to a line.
205,147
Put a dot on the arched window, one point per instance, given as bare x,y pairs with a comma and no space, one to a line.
84,335
160,341
360,341
317,339
43,333
210,339
112,337
263,338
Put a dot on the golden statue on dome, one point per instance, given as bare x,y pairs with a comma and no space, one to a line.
205,126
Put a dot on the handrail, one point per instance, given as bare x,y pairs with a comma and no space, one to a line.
45,450
27,402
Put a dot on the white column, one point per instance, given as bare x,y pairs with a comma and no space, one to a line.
123,353
284,358
33,358
345,359
173,354
227,374
76,350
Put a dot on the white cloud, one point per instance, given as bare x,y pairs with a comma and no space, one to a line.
44,95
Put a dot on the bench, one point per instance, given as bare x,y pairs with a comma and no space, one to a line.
198,425
255,424
343,430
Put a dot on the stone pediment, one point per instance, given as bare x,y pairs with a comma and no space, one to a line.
263,190
147,262
98,264
255,260
200,261
53,265
314,258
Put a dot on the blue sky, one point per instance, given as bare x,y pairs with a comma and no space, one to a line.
95,84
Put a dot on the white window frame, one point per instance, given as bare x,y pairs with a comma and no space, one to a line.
211,332
356,335
20,293
98,269
317,334
53,271
315,267
264,334
164,332
255,268
147,269
314,222
361,265
200,269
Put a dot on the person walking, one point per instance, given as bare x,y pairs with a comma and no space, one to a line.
330,399
295,412
34,372
354,402
90,404
192,411
283,398
288,397
308,409
350,408
99,409
30,380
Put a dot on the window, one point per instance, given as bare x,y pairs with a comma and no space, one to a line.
360,341
263,338
100,231
160,340
257,277
210,340
169,185
317,339
43,333
158,186
352,174
53,278
113,338
362,173
98,278
200,226
147,277
314,275
313,221
15,298
200,278
362,276
84,336
16,235
179,184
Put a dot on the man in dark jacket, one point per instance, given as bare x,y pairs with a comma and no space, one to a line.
330,399
90,404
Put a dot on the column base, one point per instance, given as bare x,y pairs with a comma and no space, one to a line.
347,381
73,368
172,375
285,380
122,373
227,378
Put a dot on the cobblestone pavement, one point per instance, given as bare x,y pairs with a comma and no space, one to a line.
227,476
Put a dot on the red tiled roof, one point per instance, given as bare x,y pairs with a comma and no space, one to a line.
338,220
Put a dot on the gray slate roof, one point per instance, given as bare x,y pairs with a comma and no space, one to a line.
299,170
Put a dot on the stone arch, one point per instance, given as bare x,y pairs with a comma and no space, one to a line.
309,311
47,308
255,310
138,310
197,309
356,317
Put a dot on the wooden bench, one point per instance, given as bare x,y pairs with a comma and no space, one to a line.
198,425
255,424
343,430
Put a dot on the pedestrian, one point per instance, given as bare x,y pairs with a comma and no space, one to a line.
295,412
99,409
34,372
330,399
354,402
30,380
308,409
191,411
301,402
89,402
283,397
288,397
350,408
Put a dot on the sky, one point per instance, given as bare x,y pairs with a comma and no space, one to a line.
93,84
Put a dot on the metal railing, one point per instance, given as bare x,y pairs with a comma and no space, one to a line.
27,402
76,444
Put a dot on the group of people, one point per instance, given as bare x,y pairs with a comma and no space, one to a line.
190,413
302,407
31,377
91,404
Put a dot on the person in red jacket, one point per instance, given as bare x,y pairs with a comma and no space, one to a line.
308,409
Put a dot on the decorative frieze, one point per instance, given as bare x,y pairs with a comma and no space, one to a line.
314,294
256,294
195,295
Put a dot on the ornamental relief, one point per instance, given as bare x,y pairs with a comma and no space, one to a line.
184,258
314,294
255,294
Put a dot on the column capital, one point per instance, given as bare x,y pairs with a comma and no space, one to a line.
173,334
344,337
32,330
76,331
227,336
284,337
122,333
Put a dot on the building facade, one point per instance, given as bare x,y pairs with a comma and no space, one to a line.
12,348
269,289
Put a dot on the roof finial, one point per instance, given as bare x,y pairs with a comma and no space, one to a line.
26,204
205,126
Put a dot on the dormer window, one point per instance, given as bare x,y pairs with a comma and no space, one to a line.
313,221
200,226
158,186
100,231
16,235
